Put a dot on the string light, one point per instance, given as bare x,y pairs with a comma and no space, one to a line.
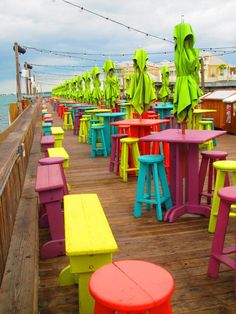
116,22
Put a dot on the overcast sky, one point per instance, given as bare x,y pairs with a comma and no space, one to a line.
55,25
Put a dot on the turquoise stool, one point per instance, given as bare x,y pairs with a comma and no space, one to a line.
212,127
98,140
92,121
152,166
46,127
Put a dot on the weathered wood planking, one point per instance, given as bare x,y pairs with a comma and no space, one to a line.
181,247
19,287
12,170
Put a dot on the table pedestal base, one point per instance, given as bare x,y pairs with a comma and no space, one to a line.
174,212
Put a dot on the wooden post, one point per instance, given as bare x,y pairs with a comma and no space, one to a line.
19,95
202,75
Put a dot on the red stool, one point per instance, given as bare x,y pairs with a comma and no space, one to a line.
218,252
208,157
60,110
124,129
115,152
131,287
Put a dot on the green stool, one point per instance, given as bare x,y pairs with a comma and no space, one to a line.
212,127
223,167
67,121
98,140
206,125
129,145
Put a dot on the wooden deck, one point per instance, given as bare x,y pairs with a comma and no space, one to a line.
181,247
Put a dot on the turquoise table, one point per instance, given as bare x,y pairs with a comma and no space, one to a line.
110,130
163,110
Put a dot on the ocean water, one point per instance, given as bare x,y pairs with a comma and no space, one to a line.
4,101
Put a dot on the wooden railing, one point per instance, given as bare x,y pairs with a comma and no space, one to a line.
15,146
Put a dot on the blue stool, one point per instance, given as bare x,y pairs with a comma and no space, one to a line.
98,140
212,127
46,127
152,166
92,121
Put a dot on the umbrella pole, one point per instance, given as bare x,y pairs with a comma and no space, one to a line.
183,127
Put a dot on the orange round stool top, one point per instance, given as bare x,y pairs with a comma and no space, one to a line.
132,286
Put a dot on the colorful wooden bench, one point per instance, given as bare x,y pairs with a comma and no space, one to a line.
46,142
59,152
89,244
58,135
49,185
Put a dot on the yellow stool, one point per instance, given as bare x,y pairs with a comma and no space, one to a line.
83,130
58,136
223,167
126,143
68,122
59,152
206,125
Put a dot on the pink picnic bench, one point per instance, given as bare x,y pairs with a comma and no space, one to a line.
49,185
46,142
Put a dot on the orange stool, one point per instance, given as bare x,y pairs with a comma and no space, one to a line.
131,287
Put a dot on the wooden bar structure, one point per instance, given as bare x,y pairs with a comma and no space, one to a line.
31,285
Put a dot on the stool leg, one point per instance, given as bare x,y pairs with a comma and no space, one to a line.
157,192
148,186
218,240
103,143
86,302
165,187
210,177
98,309
113,156
220,177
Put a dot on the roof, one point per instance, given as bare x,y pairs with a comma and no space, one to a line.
230,99
219,94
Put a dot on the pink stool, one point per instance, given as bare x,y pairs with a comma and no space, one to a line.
208,157
115,153
131,287
78,116
218,252
46,142
49,185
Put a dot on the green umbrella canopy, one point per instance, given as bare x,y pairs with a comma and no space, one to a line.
87,91
96,93
112,85
128,78
187,91
164,92
142,90
79,88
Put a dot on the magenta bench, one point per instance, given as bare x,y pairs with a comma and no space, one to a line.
49,185
47,142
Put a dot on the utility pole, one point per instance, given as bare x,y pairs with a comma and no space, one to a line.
18,50
202,75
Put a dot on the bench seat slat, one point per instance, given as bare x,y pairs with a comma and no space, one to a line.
87,230
48,177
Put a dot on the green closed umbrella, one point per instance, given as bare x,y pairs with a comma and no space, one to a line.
112,85
142,90
96,93
187,91
164,92
128,78
87,91
79,88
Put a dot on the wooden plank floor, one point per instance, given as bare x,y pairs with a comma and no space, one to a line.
181,247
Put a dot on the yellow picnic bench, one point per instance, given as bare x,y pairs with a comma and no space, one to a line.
89,244
58,135
60,152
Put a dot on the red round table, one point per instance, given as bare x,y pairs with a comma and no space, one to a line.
131,286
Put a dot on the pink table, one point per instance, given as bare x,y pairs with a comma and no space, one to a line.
142,127
184,162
